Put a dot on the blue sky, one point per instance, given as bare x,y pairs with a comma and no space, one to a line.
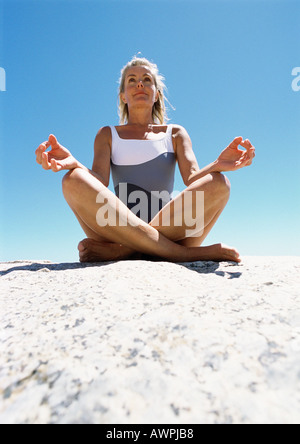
228,68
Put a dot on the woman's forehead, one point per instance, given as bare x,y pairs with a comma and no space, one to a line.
134,70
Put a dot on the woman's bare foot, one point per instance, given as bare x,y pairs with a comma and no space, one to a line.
221,252
91,250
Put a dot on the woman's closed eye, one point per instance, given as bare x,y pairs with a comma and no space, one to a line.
145,80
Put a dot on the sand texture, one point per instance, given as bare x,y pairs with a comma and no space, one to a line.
138,342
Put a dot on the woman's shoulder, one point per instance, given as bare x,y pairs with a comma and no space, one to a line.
179,131
103,135
104,130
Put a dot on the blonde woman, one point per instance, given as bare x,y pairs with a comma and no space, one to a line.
142,218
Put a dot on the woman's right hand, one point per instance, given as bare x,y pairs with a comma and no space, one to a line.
57,159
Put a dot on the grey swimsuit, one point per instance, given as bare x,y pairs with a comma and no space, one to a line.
143,172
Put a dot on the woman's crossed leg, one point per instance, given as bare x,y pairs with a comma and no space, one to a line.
124,235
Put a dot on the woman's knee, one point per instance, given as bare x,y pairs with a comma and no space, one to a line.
221,183
69,180
78,183
73,182
216,183
75,174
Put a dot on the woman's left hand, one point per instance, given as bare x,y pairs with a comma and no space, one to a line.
233,158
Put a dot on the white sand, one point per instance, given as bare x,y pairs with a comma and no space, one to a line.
150,342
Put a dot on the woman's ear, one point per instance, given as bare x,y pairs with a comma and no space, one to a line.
122,96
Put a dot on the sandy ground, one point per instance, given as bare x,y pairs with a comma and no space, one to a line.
150,342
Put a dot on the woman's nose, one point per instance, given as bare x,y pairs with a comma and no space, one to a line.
140,84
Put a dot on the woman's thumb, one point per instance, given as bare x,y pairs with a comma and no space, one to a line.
52,140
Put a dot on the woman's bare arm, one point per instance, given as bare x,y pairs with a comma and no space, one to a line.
186,158
102,155
231,159
60,158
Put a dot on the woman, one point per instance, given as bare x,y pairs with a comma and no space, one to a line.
141,154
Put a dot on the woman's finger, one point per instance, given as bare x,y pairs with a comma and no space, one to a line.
243,161
55,166
40,150
250,149
247,144
45,163
244,156
248,162
43,146
235,143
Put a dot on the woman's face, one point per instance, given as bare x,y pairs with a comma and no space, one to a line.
139,88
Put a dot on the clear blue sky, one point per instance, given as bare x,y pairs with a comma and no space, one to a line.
228,68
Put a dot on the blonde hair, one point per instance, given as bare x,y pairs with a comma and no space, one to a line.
159,114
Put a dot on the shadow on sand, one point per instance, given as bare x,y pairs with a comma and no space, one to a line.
201,267
37,266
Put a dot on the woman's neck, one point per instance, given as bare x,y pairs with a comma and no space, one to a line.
140,119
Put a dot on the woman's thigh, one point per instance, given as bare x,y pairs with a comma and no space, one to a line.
189,217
